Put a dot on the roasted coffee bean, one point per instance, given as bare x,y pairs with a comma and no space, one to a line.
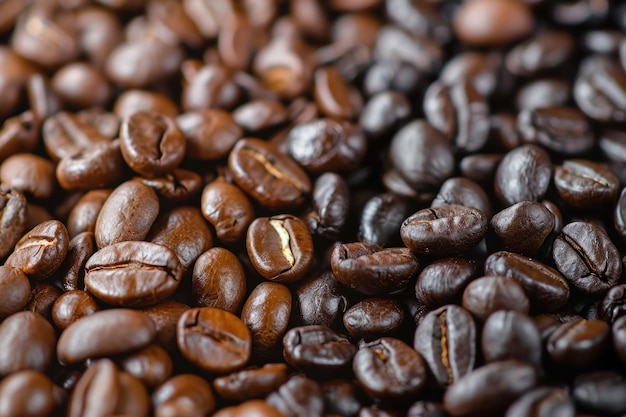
523,175
374,318
272,179
600,392
330,206
72,271
421,155
266,314
151,365
464,192
421,19
599,89
395,74
29,174
81,85
618,332
41,251
65,134
422,53
443,281
227,208
546,51
578,343
127,214
42,298
83,216
586,257
134,101
251,407
251,383
444,230
612,305
446,339
299,396
383,112
389,369
280,248
549,92
179,186
546,288
213,339
480,168
521,228
507,380
320,300
460,112
585,185
218,280
165,318
14,291
12,218
208,86
28,394
381,218
543,400
342,397
426,409
183,392
106,123
260,114
372,270
71,306
210,133
107,332
19,133
133,274
332,94
511,335
99,166
26,342
488,294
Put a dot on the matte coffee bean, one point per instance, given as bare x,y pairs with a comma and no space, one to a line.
26,342
585,184
546,400
444,230
26,393
213,339
330,206
586,257
511,335
14,291
71,306
374,318
523,175
320,300
133,274
251,383
600,392
29,174
446,339
165,319
107,332
183,392
41,251
507,380
266,314
280,248
272,179
381,218
151,365
443,281
578,343
299,396
546,288
372,270
218,280
488,294
389,369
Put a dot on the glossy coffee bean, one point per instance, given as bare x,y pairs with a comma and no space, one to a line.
320,299
14,289
298,396
381,218
133,101
42,298
464,192
26,393
585,185
612,306
546,51
523,175
71,306
213,339
151,365
578,343
511,335
548,92
488,294
227,208
374,318
81,85
330,206
383,112
179,186
251,383
443,230
12,219
260,114
72,271
599,89
29,174
550,400
251,407
210,133
65,134
183,392
27,342
82,217
443,281
165,318
332,94
600,392
372,270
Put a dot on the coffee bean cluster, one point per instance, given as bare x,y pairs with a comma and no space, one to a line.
293,208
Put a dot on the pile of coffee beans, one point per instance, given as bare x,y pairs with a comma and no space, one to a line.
293,208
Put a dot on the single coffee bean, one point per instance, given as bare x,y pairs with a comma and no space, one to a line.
133,273
601,392
618,332
374,318
585,184
26,393
372,270
320,299
208,86
165,319
280,248
546,288
523,175
210,133
599,89
260,114
381,218
71,306
443,281
446,339
184,388
41,251
488,294
330,206
480,168
14,291
134,399
342,397
82,217
81,85
383,112
511,335
103,333
42,298
546,400
65,134
12,219
332,94
227,208
547,92
421,52
444,230
251,407
389,369
179,186
548,50
251,383
299,396
28,173
317,350
266,314
134,101
72,271
151,365
26,342
587,258
507,380
272,179
578,343
612,306
464,192
213,339
99,166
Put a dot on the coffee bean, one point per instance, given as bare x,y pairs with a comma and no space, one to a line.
227,208
550,92
14,291
65,134
464,192
374,318
523,175
165,319
179,186
18,390
27,342
443,281
342,397
81,85
183,392
511,335
29,174
210,133
330,206
72,271
82,217
97,167
251,407
71,306
42,298
599,89
383,112
299,396
578,343
134,101
426,409
151,365
543,400
320,300
585,185
488,294
251,382
381,218
545,51
600,392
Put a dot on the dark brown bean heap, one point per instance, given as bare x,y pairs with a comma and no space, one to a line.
294,208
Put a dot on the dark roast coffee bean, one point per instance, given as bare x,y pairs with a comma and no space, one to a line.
546,51
511,335
426,409
317,350
213,339
543,400
133,273
521,228
446,339
463,192
578,343
187,392
218,280
381,218
600,88
41,251
26,342
29,174
71,306
523,175
374,318
421,19
332,94
26,393
299,396
260,114
372,270
618,332
587,258
389,369
330,206
443,281
266,314
612,306
72,271
272,179
151,365
444,230
549,92
480,168
507,380
320,300
208,86
423,53
488,294
81,85
179,186
383,112
585,184
104,333
14,291
251,383
342,397
546,288
602,392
